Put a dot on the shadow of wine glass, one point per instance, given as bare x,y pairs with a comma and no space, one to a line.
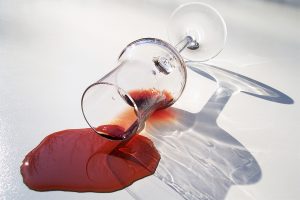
199,159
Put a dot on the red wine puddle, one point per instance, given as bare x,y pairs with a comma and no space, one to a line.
82,161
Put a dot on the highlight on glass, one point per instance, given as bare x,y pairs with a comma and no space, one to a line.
151,74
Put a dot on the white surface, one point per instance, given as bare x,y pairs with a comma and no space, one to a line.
51,50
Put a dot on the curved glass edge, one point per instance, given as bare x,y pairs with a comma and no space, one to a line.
166,45
135,107
216,12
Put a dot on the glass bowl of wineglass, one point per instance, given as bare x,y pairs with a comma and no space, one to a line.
151,73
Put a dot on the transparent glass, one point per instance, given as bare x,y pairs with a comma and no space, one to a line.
204,25
150,75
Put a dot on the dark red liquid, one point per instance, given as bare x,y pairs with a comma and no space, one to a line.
147,102
151,99
80,160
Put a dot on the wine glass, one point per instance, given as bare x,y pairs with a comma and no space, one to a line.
151,73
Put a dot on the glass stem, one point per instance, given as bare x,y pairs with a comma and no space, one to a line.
184,43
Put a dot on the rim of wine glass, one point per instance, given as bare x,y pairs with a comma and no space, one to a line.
216,12
167,46
135,107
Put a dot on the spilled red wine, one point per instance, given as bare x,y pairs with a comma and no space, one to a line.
80,160
147,102
151,98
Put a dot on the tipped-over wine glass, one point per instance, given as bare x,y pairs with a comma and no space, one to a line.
151,73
